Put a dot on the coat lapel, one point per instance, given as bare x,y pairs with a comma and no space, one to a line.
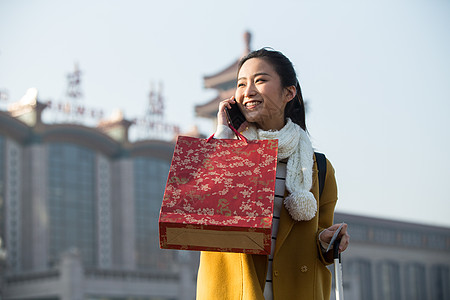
285,226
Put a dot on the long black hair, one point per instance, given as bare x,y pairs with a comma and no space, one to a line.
295,109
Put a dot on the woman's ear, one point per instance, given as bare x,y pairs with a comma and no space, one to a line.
290,93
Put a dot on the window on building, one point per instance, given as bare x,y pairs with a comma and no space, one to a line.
2,190
438,241
358,274
412,239
415,281
440,282
71,201
360,232
389,281
385,236
150,176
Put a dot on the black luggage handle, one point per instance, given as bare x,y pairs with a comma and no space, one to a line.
336,253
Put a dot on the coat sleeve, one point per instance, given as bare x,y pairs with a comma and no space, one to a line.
224,132
327,203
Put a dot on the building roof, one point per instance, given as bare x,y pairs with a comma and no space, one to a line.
82,135
228,74
224,81
110,137
209,109
13,127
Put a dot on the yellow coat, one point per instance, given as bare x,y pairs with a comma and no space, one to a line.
299,269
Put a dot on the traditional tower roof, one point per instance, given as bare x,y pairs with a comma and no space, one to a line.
224,82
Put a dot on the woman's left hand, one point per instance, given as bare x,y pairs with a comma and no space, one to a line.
327,234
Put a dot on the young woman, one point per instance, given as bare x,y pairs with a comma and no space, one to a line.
269,96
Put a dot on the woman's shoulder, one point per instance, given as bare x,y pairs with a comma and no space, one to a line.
323,162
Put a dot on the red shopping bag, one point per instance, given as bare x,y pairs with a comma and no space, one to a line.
219,195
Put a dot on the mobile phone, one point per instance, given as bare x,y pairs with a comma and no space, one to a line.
235,116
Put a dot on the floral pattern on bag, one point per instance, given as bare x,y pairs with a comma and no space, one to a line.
219,182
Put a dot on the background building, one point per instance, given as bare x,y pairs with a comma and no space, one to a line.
79,208
395,260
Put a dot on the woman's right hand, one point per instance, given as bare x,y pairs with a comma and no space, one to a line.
327,234
222,114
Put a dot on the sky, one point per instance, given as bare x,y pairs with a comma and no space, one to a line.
376,75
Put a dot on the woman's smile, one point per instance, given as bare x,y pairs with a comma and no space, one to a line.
252,104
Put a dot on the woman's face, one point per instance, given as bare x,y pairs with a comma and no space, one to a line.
260,95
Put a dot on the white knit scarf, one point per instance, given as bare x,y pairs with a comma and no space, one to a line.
293,144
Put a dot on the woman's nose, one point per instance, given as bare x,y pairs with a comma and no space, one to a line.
250,90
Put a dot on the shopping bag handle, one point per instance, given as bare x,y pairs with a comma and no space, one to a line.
238,134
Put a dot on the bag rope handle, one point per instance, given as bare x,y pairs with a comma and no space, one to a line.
238,134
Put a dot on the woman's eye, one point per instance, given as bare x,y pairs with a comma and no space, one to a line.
260,80
240,85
